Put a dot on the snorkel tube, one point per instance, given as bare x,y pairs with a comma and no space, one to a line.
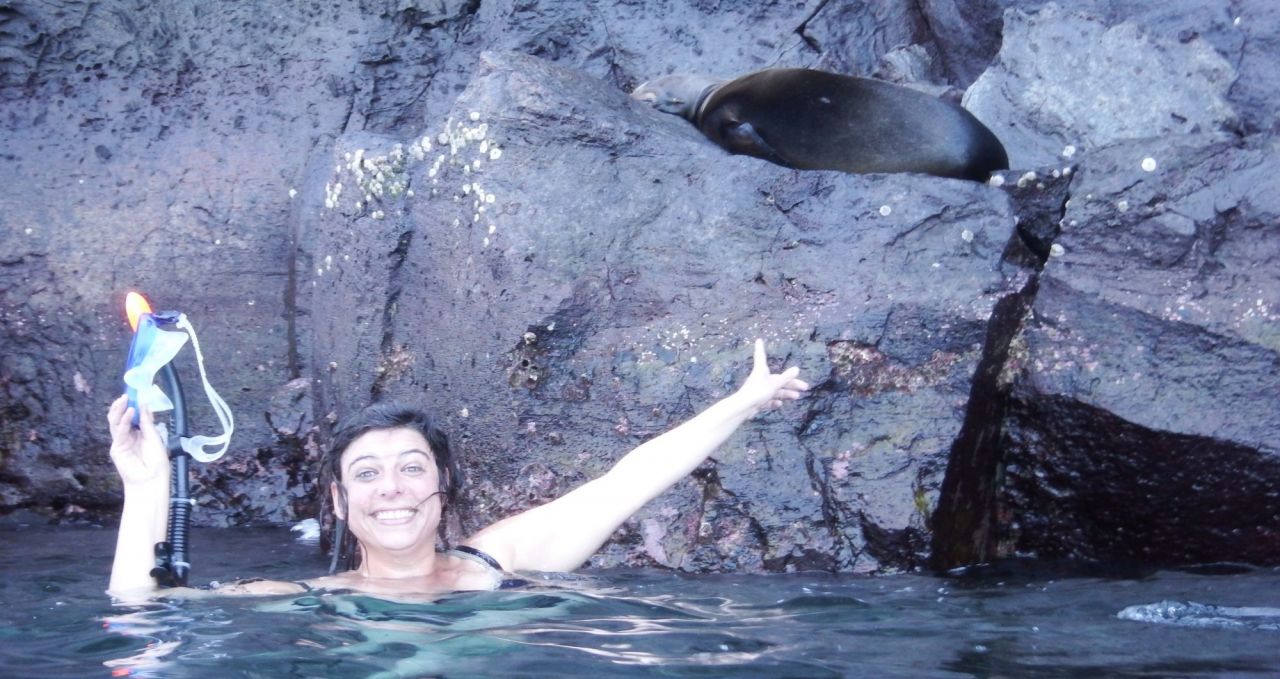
151,354
172,566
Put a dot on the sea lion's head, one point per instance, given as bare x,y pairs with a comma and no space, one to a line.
677,94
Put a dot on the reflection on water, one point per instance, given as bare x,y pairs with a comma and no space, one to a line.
1010,621
1192,614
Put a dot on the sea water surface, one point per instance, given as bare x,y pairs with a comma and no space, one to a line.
1008,620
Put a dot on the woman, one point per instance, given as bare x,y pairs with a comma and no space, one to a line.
389,476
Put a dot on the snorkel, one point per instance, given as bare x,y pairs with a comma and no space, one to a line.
157,338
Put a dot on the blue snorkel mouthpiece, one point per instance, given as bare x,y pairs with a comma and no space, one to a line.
151,350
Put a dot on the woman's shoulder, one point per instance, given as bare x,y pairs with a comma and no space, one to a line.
260,587
336,583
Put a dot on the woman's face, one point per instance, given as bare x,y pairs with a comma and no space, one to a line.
392,489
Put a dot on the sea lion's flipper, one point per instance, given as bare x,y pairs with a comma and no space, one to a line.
741,137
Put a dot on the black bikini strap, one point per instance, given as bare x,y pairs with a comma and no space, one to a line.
493,563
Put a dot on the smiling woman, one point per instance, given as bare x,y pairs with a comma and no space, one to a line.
392,498
391,476
399,448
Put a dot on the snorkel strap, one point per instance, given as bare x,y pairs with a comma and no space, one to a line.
195,445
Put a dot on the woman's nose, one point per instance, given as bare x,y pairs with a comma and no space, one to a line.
389,485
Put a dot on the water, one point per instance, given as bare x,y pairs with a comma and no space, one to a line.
1013,621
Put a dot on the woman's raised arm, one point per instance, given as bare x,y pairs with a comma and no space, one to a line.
143,463
562,534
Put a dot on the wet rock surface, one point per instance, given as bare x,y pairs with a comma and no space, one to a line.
455,203
1143,420
1068,81
597,319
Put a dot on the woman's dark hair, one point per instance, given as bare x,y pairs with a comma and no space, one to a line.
378,416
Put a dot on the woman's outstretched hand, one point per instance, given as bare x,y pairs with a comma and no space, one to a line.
139,454
764,389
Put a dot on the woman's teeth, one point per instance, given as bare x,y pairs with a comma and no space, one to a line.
393,514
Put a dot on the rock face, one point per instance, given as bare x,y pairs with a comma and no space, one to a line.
1138,422
594,319
456,204
1143,422
1066,82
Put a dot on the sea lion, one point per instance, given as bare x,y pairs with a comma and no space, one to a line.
814,120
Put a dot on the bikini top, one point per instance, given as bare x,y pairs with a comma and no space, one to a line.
479,556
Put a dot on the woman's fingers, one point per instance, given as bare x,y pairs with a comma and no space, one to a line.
118,419
760,362
116,412
152,445
117,408
146,421
793,391
789,383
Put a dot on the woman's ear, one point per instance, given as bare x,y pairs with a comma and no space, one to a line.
339,501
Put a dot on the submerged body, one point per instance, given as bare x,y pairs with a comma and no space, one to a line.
1019,619
814,120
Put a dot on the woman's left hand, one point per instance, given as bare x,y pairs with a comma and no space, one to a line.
139,454
765,389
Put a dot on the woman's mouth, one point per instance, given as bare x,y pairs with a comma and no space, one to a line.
393,514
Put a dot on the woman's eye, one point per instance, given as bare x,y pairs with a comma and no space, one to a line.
413,468
365,474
